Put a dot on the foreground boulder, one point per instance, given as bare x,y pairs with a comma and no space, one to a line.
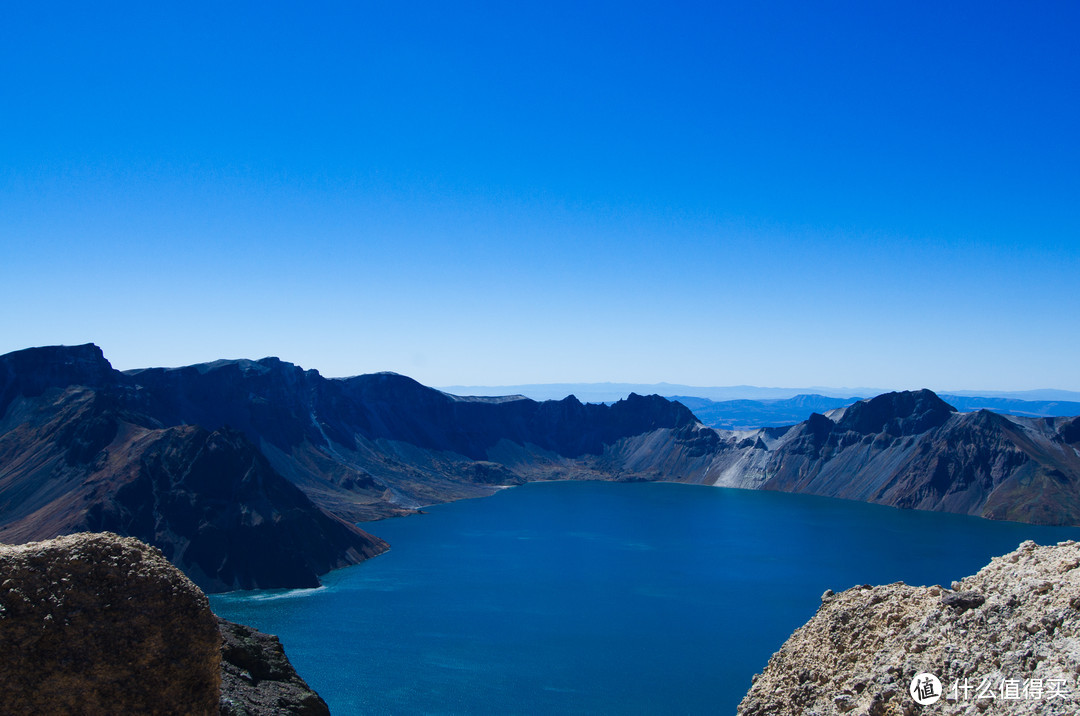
1004,641
101,624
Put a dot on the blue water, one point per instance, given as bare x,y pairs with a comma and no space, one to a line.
592,597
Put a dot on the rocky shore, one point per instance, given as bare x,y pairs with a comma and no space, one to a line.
257,678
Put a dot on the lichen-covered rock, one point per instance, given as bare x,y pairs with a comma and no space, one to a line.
100,624
1004,641
257,678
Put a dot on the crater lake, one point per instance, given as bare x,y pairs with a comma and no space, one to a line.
599,597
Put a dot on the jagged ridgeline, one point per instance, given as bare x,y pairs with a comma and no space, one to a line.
251,473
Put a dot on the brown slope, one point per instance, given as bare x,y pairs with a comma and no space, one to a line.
74,460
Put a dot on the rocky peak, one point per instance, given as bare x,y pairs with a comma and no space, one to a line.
899,413
819,426
86,357
32,371
654,411
391,388
268,399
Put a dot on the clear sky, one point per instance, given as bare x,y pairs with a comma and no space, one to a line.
781,194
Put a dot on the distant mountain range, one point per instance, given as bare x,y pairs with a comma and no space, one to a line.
251,473
610,392
750,414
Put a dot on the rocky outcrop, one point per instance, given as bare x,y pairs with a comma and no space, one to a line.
34,371
1004,641
257,678
100,624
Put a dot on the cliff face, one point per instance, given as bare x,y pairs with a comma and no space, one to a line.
75,458
33,371
99,624
1004,641
383,444
362,447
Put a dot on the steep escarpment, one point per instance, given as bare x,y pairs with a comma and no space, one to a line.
1004,641
100,624
367,446
33,371
380,444
78,458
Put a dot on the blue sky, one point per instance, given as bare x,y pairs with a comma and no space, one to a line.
782,194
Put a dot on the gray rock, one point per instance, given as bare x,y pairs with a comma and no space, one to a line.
963,600
257,678
1015,621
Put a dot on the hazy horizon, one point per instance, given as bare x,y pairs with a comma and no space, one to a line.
477,194
763,392
606,387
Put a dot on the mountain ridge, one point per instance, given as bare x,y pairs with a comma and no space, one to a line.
82,457
81,442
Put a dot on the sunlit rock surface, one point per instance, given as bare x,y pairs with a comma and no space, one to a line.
1004,641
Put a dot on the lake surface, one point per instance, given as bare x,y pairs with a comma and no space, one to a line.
596,597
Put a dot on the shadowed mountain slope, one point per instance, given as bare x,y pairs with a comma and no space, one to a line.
376,445
78,458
